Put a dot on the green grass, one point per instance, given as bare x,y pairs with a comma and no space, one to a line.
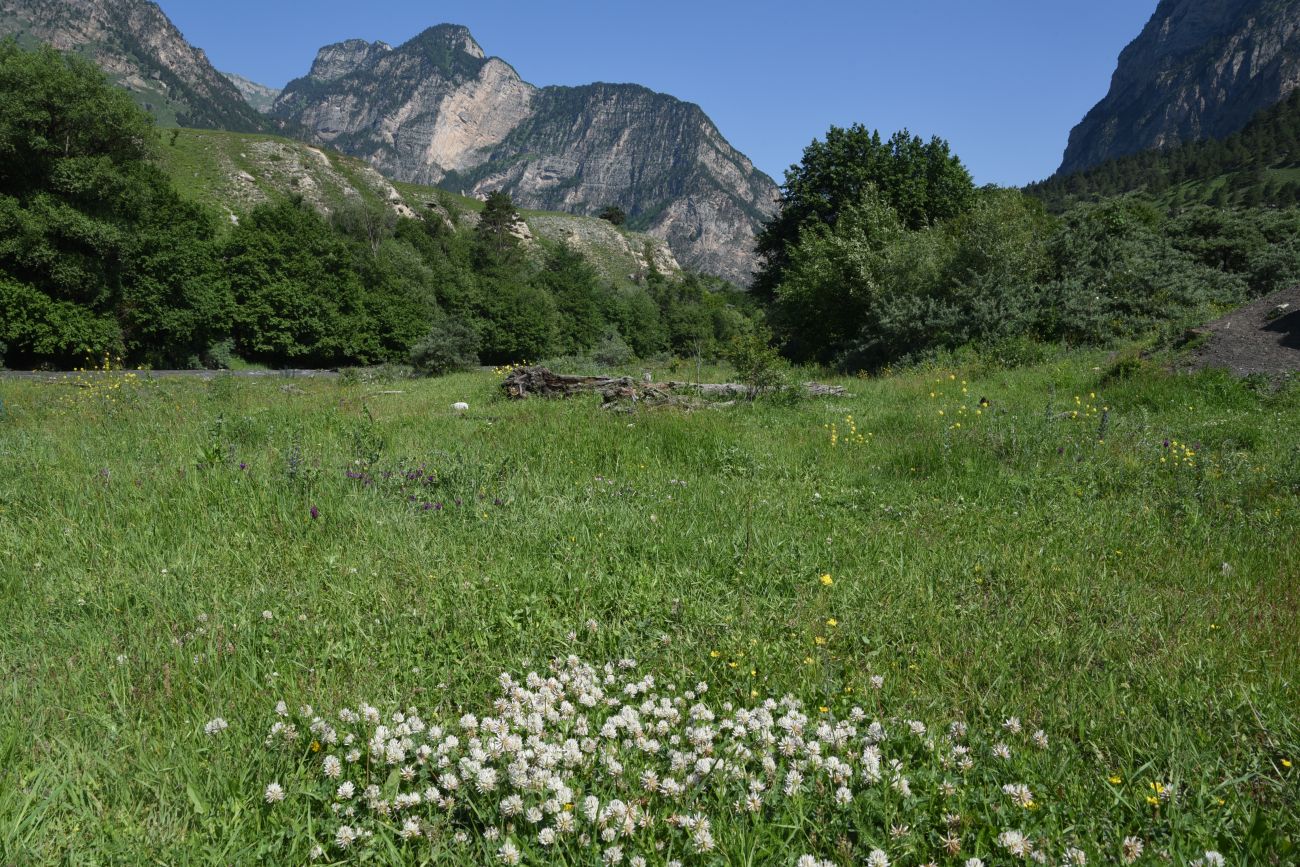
1143,614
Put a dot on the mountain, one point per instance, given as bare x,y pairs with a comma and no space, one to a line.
1258,166
1200,69
438,110
141,50
259,96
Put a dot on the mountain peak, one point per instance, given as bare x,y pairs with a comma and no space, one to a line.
341,58
443,37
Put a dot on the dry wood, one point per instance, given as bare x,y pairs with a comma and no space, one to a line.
541,382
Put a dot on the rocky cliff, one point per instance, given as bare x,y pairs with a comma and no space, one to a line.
140,49
259,96
438,110
1199,69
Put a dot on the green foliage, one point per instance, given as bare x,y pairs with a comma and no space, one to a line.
867,289
1256,166
757,362
450,346
498,222
100,254
614,215
923,182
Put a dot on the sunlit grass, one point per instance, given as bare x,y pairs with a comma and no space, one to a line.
1045,560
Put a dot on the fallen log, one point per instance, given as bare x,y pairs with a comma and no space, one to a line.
542,382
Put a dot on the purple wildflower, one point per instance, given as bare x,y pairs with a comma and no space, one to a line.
315,513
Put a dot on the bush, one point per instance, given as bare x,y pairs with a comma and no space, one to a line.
448,347
757,363
612,350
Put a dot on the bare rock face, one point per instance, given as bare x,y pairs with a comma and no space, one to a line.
437,110
137,46
1200,69
259,96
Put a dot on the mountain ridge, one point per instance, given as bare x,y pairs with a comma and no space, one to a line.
1199,69
437,109
140,49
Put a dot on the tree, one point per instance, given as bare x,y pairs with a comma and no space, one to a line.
613,214
923,182
498,223
97,253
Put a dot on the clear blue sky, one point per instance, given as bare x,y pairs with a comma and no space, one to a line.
1003,80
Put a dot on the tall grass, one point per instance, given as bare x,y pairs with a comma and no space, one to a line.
176,551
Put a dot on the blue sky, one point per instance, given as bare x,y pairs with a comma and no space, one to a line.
1003,80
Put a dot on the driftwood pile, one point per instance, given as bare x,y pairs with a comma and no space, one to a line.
623,390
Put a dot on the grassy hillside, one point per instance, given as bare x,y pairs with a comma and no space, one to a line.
234,172
1258,166
1109,559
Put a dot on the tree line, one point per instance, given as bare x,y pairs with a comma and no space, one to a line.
885,250
100,254
1246,169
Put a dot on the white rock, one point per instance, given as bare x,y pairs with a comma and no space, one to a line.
460,406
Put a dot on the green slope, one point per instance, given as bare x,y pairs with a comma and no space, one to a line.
1260,165
234,172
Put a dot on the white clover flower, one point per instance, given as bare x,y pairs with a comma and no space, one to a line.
1002,751
612,855
546,836
345,836
806,861
1012,724
1213,859
274,793
878,681
281,709
332,767
1015,843
267,615
1040,739
974,862
1075,857
1019,794
1131,849
843,796
410,829
877,858
345,791
215,726
316,853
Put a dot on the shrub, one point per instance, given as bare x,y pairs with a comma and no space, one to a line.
612,350
449,346
757,363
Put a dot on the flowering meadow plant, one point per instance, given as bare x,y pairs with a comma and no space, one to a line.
588,764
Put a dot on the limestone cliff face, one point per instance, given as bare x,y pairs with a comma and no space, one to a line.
259,96
438,110
1199,69
139,47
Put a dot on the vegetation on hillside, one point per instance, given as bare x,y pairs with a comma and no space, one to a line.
101,255
885,252
1258,166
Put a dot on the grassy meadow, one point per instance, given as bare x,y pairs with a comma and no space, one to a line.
1102,553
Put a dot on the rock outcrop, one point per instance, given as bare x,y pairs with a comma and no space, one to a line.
1200,69
259,96
438,110
139,48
